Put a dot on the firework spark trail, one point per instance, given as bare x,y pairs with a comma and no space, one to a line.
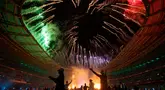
36,17
90,61
123,24
128,37
48,10
96,60
71,35
70,40
93,10
113,27
101,7
49,18
30,10
70,30
103,38
96,43
48,4
99,61
78,52
125,9
37,26
78,2
93,60
101,44
50,21
74,47
127,17
83,56
30,1
55,0
73,44
71,51
113,33
133,6
74,3
70,47
81,52
92,3
100,36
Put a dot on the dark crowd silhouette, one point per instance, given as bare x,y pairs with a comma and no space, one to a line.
60,85
59,80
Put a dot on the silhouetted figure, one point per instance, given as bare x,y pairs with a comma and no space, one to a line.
91,85
109,88
81,88
59,80
46,89
85,86
75,88
121,86
103,78
115,87
67,85
136,88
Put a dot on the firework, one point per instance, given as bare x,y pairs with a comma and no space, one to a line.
61,38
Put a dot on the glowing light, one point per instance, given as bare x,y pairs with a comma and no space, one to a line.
97,86
73,76
69,87
73,86
44,31
134,2
50,33
134,10
31,10
82,76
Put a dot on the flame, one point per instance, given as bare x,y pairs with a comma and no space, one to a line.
80,76
69,87
97,86
73,86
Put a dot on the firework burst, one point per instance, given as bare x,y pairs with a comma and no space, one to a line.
85,33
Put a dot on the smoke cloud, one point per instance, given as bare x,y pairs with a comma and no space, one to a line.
80,76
